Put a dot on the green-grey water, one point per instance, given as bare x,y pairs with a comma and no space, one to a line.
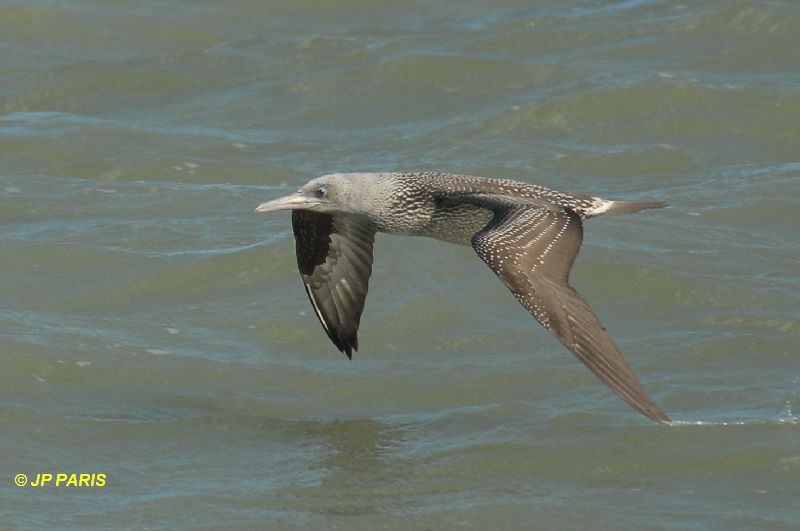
155,330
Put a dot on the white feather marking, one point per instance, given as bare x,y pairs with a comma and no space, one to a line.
601,206
316,309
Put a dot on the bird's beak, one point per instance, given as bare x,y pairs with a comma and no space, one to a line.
296,201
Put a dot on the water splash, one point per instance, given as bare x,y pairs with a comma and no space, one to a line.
787,416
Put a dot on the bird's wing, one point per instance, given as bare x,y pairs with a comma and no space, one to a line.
532,247
334,255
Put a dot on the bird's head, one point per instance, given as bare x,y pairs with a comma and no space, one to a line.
353,193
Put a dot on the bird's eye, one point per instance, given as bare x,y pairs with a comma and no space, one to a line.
320,192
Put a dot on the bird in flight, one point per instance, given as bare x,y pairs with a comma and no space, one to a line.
527,234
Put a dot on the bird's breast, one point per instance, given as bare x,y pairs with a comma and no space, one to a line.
456,223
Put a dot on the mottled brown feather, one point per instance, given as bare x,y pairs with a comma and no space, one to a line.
532,249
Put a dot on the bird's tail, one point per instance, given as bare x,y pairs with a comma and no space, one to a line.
604,206
626,207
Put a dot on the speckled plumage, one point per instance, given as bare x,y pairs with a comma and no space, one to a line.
528,235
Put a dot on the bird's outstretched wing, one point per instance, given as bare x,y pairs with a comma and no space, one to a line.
532,247
334,255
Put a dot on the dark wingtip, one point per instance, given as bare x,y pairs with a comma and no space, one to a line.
657,416
346,343
346,346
